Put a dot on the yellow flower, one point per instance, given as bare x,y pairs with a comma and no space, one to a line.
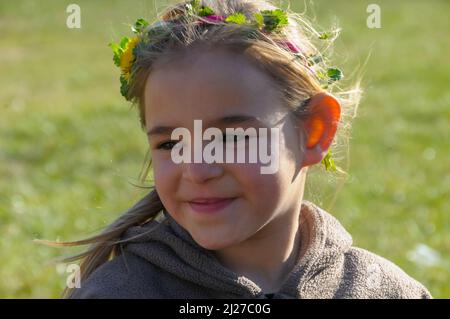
127,57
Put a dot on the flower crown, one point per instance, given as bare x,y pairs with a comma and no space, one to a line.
266,21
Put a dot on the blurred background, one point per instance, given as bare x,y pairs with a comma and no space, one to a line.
71,148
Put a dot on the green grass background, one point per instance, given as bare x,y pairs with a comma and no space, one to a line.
70,146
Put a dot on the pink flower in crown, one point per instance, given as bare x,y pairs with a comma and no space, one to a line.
292,47
210,19
215,18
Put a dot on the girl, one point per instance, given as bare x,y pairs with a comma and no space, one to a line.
225,230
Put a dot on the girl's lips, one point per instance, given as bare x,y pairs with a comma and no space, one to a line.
210,205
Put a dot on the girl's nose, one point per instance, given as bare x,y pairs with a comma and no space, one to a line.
201,172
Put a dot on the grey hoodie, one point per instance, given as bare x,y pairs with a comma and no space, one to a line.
163,261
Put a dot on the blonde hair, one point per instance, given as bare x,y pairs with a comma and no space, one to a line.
290,74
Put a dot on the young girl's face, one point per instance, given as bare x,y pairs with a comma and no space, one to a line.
210,86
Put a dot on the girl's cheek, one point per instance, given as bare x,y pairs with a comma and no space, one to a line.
164,173
249,176
253,175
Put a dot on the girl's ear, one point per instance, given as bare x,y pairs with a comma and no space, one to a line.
320,126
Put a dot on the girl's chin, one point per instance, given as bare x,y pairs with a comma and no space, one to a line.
213,243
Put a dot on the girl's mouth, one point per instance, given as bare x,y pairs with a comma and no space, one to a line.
210,205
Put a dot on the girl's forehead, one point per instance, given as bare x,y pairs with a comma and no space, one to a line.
211,84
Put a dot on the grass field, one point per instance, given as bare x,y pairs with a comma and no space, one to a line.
70,146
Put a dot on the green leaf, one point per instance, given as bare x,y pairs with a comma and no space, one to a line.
315,59
195,4
205,11
139,26
274,19
259,19
116,59
329,35
238,18
334,75
328,161
117,51
124,87
123,42
324,36
193,7
321,75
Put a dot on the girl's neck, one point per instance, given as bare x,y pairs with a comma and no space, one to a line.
268,257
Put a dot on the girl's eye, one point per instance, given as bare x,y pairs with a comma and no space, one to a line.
230,138
167,145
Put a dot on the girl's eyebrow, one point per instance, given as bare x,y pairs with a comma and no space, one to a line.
226,120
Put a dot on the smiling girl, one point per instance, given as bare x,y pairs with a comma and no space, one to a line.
224,230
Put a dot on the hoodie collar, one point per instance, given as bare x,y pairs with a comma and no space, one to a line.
325,239
173,249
